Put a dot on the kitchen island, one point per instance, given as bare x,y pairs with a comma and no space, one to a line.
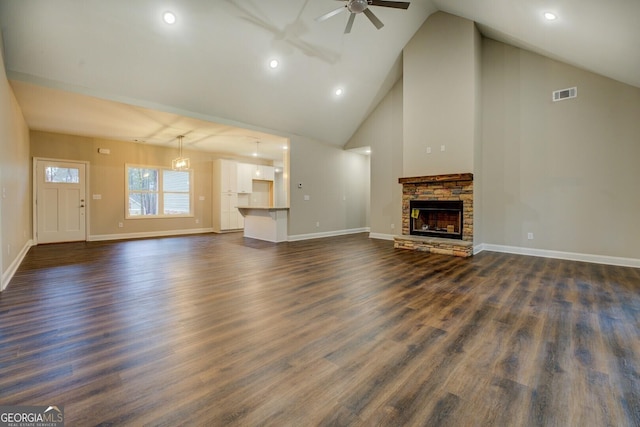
265,222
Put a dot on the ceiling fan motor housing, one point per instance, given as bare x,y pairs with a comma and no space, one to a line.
357,6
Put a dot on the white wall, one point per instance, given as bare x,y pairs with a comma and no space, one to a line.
337,183
436,103
440,97
382,132
15,181
565,171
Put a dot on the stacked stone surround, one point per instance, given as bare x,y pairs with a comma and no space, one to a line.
438,187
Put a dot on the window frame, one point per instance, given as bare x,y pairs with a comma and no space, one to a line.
160,192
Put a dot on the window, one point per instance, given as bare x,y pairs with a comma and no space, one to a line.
61,175
158,192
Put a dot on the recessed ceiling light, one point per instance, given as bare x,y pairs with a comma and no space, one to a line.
169,17
284,147
549,16
339,92
274,63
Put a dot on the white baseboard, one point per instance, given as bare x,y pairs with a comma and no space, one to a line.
478,248
571,256
8,275
381,236
147,234
296,237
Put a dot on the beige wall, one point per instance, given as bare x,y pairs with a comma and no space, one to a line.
15,187
107,178
478,202
337,183
382,131
440,90
436,103
565,171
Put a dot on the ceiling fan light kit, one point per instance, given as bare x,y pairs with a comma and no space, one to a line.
355,7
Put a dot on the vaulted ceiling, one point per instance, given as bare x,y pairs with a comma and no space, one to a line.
114,69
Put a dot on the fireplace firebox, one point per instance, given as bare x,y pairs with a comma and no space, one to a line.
436,218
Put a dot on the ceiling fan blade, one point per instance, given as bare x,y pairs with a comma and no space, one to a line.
396,4
352,18
373,18
330,14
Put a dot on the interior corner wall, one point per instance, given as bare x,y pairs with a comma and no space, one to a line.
440,89
565,171
15,180
382,131
478,202
336,183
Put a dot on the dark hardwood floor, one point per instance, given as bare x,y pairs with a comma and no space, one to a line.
221,330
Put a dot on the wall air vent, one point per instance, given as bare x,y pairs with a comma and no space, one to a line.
562,94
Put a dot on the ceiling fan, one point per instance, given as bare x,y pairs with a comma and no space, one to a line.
355,7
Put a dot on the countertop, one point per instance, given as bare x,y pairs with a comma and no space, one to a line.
264,208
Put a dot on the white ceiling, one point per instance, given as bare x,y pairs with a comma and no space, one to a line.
113,69
60,111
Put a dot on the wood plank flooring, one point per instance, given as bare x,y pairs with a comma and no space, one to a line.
219,330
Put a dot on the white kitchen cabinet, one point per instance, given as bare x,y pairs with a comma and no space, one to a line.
230,217
244,177
226,216
225,172
264,173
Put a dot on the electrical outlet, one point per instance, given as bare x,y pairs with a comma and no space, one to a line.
318,224
306,197
428,150
120,225
197,221
442,148
530,236
393,226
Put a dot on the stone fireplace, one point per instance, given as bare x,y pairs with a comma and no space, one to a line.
437,214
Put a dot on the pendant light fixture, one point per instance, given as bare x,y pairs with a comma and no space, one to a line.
180,163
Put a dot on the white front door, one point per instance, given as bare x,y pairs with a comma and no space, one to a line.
60,201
